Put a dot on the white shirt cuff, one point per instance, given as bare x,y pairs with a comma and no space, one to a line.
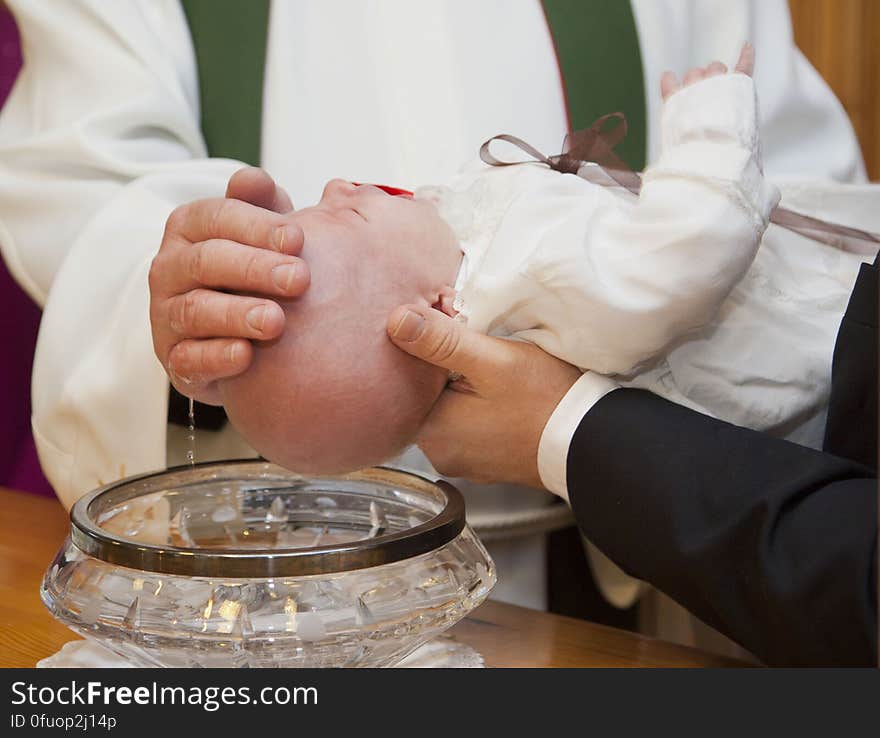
560,429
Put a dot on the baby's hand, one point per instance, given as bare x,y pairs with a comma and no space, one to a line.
746,65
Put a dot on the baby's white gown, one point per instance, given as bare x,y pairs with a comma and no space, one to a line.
669,291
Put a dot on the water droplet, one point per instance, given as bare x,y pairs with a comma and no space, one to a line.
191,437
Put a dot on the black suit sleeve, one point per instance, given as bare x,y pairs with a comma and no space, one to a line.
771,543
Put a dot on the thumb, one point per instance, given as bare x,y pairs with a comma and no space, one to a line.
256,186
434,337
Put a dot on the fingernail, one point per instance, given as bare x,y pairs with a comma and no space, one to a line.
278,239
410,327
285,235
284,276
232,352
256,317
179,377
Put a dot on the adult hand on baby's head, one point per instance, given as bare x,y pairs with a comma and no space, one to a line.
256,186
486,426
745,65
240,243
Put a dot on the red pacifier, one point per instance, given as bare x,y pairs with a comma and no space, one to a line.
394,191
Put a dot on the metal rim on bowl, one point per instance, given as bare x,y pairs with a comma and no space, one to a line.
92,540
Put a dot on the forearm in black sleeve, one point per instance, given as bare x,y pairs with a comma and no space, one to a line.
771,543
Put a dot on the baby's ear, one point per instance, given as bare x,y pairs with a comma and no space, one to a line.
444,302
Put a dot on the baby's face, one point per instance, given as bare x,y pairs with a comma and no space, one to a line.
405,236
333,393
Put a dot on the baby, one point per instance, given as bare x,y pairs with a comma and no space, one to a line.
667,291
333,393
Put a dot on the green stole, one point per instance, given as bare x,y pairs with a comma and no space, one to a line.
596,43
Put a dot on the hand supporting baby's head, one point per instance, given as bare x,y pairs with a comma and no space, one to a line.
333,394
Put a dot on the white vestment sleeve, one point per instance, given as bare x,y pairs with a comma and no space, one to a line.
606,282
99,141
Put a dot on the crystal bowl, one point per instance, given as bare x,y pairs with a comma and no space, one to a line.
245,564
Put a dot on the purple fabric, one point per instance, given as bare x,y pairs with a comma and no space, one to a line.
10,53
19,319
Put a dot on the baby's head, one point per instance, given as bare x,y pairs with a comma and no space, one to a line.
333,394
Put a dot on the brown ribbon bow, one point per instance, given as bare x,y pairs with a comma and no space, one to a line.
589,153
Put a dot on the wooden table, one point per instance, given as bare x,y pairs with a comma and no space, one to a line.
32,528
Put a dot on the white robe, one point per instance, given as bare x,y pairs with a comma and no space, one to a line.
100,140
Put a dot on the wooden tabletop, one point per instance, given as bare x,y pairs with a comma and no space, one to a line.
32,529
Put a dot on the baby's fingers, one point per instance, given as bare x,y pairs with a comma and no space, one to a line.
693,75
746,63
716,68
668,84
